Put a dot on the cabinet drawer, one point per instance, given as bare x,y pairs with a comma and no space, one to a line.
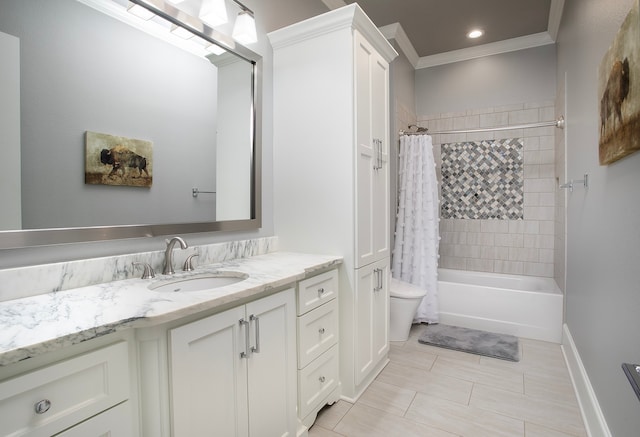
315,291
317,332
115,422
317,380
67,392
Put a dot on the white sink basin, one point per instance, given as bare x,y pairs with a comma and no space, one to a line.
199,283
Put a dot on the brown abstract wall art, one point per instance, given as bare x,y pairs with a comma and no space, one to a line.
619,92
113,160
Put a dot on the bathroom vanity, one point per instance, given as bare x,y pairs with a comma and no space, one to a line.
253,358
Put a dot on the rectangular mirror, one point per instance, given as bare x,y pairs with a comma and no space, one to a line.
181,123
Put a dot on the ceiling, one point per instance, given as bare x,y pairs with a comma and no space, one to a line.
438,26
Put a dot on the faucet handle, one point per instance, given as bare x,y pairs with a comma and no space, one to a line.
188,264
148,272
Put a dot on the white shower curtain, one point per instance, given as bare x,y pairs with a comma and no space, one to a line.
415,252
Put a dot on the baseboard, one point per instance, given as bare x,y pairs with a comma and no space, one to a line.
592,415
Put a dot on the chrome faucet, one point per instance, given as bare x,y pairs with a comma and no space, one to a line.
168,254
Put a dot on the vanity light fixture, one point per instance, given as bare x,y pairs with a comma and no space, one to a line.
475,33
213,12
244,29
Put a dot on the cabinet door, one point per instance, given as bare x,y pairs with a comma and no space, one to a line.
209,377
272,366
380,133
372,145
372,317
380,309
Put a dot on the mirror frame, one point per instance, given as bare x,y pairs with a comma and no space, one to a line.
52,236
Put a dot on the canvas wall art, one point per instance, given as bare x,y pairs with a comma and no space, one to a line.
619,92
114,160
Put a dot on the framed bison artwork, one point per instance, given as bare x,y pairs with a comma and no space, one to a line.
619,92
112,160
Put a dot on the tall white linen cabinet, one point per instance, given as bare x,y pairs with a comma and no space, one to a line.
331,170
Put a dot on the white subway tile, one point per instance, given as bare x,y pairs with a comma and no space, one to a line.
501,253
531,199
527,254
547,199
509,267
480,238
494,226
509,240
539,269
523,116
480,265
531,144
453,263
531,226
547,142
547,113
472,225
531,171
547,227
545,255
529,240
539,212
494,119
516,226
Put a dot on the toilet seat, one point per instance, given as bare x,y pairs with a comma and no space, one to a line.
405,290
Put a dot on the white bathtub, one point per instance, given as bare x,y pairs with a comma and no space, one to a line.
525,306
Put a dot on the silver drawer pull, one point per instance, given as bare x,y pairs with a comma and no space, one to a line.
321,379
320,291
42,406
321,330
244,324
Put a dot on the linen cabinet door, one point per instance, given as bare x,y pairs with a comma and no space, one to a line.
380,310
379,83
209,377
372,317
366,155
272,369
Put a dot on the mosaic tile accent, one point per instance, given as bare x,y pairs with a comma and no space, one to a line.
483,180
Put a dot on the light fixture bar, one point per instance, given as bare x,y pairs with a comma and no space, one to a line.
243,7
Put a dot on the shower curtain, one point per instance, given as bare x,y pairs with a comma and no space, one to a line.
415,252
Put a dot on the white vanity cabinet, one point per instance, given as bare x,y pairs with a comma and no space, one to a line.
86,395
234,373
317,328
331,172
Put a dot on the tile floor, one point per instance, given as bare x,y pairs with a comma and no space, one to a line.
429,391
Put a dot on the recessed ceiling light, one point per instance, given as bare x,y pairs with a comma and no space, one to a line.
475,33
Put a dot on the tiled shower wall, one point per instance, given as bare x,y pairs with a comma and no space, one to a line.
504,246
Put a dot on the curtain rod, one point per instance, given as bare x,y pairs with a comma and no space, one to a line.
559,123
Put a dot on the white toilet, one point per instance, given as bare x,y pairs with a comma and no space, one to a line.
404,301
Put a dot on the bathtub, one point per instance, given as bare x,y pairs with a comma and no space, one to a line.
524,306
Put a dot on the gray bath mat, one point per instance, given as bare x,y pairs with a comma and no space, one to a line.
485,343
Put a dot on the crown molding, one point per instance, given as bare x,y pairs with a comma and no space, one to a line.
396,32
509,45
555,16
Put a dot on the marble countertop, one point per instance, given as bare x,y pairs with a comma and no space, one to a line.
38,324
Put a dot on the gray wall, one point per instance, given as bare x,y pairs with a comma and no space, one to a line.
603,239
515,77
402,113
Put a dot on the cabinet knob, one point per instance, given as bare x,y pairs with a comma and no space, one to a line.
321,379
42,406
321,330
320,291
